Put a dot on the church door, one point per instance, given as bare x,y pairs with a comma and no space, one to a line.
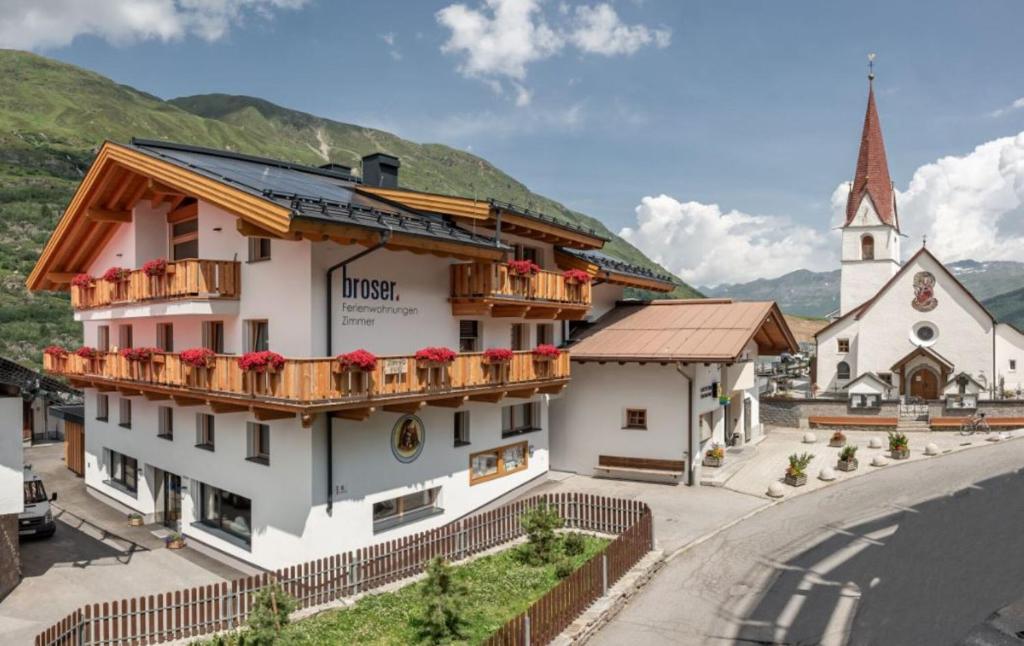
924,384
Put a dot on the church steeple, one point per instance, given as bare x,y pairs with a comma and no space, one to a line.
871,179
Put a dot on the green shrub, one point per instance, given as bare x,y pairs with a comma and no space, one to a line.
270,610
798,464
848,453
898,441
540,524
564,568
573,544
441,619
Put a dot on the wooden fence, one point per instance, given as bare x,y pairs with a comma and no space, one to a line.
484,280
183,279
74,447
194,612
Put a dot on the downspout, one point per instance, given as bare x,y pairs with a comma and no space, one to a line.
994,377
384,237
690,480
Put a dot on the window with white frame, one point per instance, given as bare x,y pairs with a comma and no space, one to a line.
635,418
257,336
259,442
204,431
461,431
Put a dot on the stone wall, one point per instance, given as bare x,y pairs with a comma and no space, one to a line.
779,411
10,554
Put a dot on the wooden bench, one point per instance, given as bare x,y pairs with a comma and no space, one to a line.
648,469
993,422
850,421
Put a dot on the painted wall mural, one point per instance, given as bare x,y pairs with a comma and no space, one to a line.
407,437
924,292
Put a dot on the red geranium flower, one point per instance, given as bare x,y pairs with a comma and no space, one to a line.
436,355
358,359
87,352
83,280
55,351
197,357
576,275
523,267
260,361
116,274
156,267
139,354
546,350
498,355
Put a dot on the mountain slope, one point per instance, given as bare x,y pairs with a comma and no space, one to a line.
1008,307
809,293
53,116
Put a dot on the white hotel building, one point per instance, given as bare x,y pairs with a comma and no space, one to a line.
310,459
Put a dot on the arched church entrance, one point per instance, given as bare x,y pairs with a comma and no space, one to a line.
924,383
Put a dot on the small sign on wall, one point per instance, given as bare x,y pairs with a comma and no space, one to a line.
394,366
709,391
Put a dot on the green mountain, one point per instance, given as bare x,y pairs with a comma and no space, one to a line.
1008,307
53,116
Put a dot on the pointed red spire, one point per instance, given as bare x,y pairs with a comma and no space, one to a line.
872,175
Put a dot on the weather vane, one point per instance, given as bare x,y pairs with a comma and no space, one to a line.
871,66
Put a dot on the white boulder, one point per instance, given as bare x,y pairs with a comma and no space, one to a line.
810,438
776,490
875,443
879,461
827,474
931,449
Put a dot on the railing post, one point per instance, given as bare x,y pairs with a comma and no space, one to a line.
80,641
526,629
604,573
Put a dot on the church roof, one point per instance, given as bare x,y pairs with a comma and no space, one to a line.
872,175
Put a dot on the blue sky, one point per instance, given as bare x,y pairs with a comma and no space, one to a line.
751,106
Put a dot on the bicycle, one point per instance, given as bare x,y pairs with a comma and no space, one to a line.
972,426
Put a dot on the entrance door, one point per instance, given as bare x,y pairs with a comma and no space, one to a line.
924,384
172,500
746,420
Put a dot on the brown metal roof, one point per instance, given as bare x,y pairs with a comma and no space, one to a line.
710,330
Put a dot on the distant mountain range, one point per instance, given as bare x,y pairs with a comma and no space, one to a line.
999,284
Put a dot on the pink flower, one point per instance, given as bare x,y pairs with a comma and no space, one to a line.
498,355
523,267
55,351
197,357
576,276
260,361
358,359
87,352
546,350
139,354
83,280
436,355
116,274
156,267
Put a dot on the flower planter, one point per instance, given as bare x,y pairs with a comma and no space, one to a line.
423,364
847,465
176,544
838,444
710,461
900,454
796,481
136,521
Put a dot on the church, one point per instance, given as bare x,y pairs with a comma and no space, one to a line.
910,328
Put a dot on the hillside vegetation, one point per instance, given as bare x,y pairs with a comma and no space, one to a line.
53,117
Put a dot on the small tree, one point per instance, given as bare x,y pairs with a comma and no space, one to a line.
270,609
540,524
441,621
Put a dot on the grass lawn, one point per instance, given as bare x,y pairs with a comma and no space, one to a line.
499,587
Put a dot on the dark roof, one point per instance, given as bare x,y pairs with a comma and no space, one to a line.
616,266
30,381
547,219
872,174
74,413
309,192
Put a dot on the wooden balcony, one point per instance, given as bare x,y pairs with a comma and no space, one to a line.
491,289
185,279
309,386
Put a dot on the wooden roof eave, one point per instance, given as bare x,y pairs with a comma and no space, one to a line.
640,282
431,202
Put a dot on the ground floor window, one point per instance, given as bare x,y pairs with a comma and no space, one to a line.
497,463
520,418
405,509
124,471
227,512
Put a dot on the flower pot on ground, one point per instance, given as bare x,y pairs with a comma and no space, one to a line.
847,458
135,520
838,439
174,541
899,445
715,456
796,472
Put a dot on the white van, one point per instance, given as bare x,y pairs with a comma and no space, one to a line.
37,519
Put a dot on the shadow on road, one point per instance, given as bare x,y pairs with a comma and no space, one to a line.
76,543
919,575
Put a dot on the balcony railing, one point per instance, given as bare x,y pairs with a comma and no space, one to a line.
318,382
495,284
183,279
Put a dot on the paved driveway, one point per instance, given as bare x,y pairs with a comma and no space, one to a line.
94,556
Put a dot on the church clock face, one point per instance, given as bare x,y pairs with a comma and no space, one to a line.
924,292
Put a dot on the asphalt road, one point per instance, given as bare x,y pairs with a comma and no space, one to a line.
914,554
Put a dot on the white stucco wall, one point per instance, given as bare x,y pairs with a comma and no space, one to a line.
11,460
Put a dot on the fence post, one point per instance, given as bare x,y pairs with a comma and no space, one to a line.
526,628
462,540
604,573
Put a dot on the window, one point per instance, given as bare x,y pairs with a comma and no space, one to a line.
497,463
886,377
257,336
707,425
524,252
545,333
103,338
259,442
102,407
843,370
461,420
124,471
259,249
227,512
405,509
519,336
204,431
867,247
469,336
924,333
844,345
1013,365
124,336
125,413
165,423
213,336
519,418
185,239
165,336
636,418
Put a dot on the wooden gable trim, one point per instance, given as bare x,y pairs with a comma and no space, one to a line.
432,202
545,232
569,261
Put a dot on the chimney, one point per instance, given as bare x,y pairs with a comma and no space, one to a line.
336,168
380,170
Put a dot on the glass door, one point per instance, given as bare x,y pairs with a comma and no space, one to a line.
172,500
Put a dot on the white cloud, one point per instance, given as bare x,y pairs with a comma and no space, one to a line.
704,246
390,40
497,42
31,24
459,127
1016,105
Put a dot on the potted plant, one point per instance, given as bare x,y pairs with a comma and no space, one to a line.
174,541
497,361
724,400
57,354
576,277
197,357
116,275
155,268
91,357
838,439
135,519
355,361
847,458
796,472
83,281
715,456
523,268
899,445
546,352
261,362
142,355
434,357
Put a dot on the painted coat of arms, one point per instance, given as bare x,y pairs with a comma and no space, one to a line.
924,292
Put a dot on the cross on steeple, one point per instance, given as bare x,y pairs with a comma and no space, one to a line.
871,66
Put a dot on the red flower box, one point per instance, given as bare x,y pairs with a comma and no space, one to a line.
55,351
498,355
357,360
83,280
576,276
116,275
154,268
435,355
87,352
546,352
140,355
265,361
523,268
197,357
